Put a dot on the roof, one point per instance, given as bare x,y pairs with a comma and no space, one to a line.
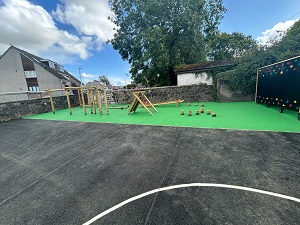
38,60
203,66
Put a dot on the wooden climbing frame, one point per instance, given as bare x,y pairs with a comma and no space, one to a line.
140,98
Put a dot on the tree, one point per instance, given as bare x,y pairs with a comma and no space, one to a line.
229,46
243,76
104,79
289,46
155,36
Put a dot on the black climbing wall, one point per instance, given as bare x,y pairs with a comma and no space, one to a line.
279,84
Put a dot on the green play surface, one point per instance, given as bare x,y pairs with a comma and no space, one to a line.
233,115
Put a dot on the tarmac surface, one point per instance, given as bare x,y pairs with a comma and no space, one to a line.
55,172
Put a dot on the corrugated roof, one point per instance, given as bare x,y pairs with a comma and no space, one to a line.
203,66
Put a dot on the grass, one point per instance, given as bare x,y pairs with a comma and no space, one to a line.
232,115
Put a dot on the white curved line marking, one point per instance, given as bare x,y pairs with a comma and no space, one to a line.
184,186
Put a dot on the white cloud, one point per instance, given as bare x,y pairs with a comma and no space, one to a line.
33,29
119,81
276,33
88,17
114,80
88,77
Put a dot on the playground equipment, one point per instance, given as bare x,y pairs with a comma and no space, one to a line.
278,84
177,102
118,107
93,97
140,98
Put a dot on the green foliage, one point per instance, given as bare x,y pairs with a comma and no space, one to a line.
130,86
104,79
243,76
155,36
214,73
229,46
289,46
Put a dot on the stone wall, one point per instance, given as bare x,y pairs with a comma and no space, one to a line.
14,110
188,93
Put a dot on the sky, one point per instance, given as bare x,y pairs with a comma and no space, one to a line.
73,33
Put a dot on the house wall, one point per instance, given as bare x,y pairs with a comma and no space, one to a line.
13,81
12,78
191,78
95,83
47,80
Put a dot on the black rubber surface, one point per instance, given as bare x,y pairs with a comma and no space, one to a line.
54,172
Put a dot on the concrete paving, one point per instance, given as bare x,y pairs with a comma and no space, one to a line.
54,172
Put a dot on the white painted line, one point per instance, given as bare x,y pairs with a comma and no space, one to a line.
185,186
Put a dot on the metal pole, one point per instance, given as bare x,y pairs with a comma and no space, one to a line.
80,75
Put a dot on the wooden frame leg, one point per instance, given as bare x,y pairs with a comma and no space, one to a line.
68,100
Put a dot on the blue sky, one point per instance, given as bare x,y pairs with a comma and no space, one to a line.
73,32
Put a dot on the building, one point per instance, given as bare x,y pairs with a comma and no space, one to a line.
27,76
96,84
197,73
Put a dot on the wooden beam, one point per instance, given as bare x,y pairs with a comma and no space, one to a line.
150,103
142,103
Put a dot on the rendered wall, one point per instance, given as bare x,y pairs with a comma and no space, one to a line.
12,78
226,95
47,80
191,78
13,96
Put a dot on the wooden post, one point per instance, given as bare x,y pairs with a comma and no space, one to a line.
83,101
69,104
99,101
105,101
79,97
90,100
94,103
51,101
256,86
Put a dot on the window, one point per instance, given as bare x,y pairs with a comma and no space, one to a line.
51,64
32,84
30,74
